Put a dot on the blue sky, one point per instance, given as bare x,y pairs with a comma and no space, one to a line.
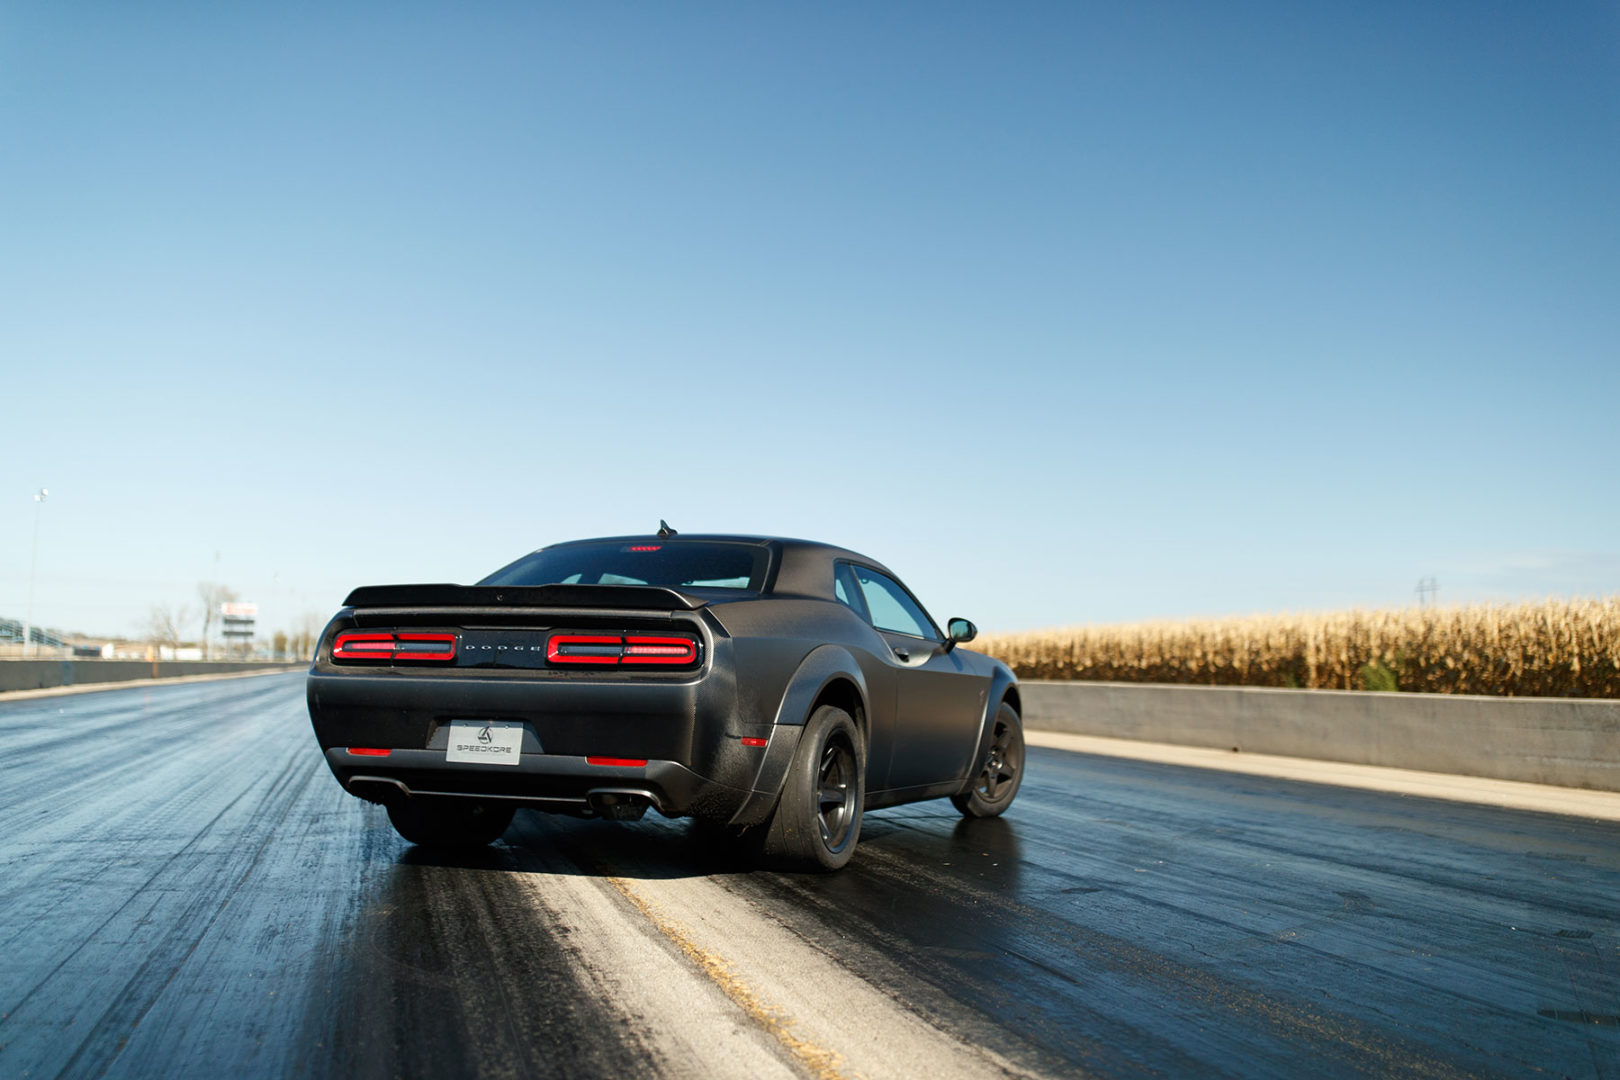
1070,313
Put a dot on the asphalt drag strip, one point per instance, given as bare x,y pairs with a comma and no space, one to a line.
822,1017
185,891
595,949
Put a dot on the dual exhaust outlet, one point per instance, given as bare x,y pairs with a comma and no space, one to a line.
612,804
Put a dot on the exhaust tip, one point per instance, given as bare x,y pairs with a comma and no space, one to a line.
619,805
377,789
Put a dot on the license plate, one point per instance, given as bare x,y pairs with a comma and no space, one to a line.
484,742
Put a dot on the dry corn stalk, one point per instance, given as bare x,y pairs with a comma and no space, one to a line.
1553,648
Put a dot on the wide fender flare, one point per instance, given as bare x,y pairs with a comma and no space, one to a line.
822,666
1001,680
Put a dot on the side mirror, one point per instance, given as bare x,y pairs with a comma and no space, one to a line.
957,631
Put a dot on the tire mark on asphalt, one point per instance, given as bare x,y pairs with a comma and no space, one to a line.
1087,960
443,968
824,1010
103,1043
174,859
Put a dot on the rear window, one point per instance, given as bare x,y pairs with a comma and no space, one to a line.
683,564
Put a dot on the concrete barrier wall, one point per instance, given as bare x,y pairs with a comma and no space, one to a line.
39,674
1566,741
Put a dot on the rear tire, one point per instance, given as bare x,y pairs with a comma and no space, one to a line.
1002,771
449,823
817,821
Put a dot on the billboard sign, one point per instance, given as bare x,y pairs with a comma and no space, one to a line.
236,619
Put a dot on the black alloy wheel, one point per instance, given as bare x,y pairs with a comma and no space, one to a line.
996,784
817,820
837,813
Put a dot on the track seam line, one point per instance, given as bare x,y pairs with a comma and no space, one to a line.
820,1062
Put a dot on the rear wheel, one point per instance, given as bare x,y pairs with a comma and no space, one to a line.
997,783
817,821
449,823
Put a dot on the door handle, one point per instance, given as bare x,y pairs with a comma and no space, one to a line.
902,653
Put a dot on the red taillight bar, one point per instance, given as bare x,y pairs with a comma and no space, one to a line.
363,647
616,649
659,650
394,646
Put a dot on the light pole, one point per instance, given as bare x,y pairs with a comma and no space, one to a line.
33,561
213,603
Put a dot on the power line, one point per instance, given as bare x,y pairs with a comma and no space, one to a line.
1427,589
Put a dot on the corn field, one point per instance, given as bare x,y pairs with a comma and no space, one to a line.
1554,648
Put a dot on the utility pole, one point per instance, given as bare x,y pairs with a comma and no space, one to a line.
33,561
1426,590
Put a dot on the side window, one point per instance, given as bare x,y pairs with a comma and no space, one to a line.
892,607
848,593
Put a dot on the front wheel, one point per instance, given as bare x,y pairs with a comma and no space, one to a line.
449,823
817,821
997,783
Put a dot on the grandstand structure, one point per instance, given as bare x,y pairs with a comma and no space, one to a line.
11,633
47,644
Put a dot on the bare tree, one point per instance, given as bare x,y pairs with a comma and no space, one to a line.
163,624
212,594
301,643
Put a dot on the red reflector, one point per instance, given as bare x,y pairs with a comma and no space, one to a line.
749,740
617,762
394,646
369,751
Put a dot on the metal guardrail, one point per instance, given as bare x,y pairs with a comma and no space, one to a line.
45,674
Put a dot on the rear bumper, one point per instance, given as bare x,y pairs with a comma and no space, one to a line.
686,730
545,781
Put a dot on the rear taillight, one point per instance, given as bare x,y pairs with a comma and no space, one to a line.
393,647
659,650
667,650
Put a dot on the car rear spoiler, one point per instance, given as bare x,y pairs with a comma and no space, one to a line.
641,597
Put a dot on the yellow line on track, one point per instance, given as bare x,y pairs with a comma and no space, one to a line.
820,1062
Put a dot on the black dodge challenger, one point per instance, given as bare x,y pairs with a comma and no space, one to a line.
773,688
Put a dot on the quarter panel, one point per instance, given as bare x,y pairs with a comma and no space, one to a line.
1001,679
